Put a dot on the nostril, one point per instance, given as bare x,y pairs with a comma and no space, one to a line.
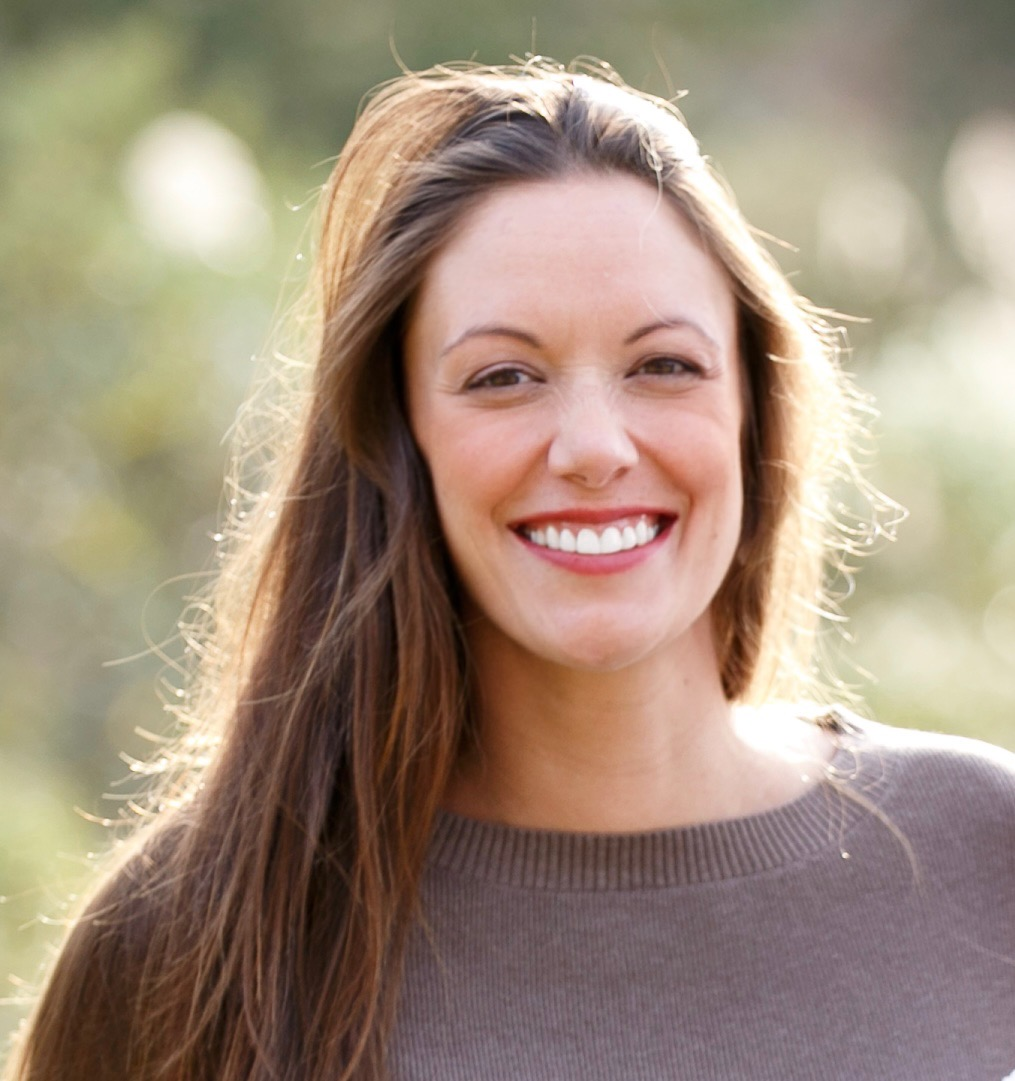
592,455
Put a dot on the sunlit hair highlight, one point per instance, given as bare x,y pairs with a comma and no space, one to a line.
255,928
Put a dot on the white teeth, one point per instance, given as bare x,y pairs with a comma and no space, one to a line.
610,541
588,542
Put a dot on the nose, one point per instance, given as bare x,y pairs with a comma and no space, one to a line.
591,444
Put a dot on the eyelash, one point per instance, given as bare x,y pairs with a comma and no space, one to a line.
499,378
512,377
675,366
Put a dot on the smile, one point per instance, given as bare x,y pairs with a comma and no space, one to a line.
622,535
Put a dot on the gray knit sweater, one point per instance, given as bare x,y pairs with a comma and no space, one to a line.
864,931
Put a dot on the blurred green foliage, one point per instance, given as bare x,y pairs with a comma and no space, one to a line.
877,139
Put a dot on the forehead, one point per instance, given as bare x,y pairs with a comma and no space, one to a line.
577,254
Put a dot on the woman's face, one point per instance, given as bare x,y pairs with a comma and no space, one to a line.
573,385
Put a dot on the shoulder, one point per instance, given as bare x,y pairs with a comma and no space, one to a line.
132,898
946,759
958,784
87,1010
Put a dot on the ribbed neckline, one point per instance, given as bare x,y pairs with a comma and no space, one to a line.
815,822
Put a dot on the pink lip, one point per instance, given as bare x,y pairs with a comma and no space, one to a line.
592,515
593,565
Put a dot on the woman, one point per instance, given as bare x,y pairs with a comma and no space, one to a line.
489,774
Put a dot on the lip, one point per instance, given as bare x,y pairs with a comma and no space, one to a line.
615,563
593,516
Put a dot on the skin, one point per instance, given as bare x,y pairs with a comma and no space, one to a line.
571,360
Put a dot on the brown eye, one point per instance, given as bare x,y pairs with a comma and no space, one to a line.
666,365
500,377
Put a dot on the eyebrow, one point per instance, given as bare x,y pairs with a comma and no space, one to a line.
669,322
499,330
502,330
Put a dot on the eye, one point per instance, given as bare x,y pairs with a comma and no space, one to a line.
500,377
667,365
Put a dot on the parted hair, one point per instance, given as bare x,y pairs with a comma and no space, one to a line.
253,928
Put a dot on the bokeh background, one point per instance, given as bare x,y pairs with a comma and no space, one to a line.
158,164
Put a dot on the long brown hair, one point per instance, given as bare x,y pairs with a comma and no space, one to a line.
254,928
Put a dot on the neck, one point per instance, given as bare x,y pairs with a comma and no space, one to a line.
649,746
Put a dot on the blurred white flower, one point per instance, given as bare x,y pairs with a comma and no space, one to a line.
196,190
952,372
872,230
979,180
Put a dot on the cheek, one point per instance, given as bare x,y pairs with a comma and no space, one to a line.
701,451
707,468
467,491
477,462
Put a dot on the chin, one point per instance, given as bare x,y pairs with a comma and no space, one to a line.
613,645
596,651
600,659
